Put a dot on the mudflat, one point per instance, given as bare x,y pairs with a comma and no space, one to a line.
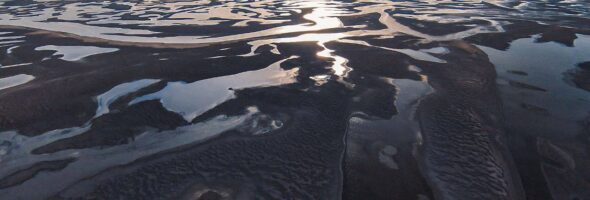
301,99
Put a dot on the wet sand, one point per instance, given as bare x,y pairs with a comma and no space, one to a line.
294,100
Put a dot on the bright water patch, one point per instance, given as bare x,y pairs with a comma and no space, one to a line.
192,99
105,99
75,53
13,81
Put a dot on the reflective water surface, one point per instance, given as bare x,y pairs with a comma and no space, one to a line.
297,99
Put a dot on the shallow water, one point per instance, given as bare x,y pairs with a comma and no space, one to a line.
12,81
74,53
298,99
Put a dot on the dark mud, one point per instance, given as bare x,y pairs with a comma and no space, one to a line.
294,100
463,152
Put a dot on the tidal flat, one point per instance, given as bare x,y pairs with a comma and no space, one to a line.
295,99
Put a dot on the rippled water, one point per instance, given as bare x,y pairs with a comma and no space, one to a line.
368,99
